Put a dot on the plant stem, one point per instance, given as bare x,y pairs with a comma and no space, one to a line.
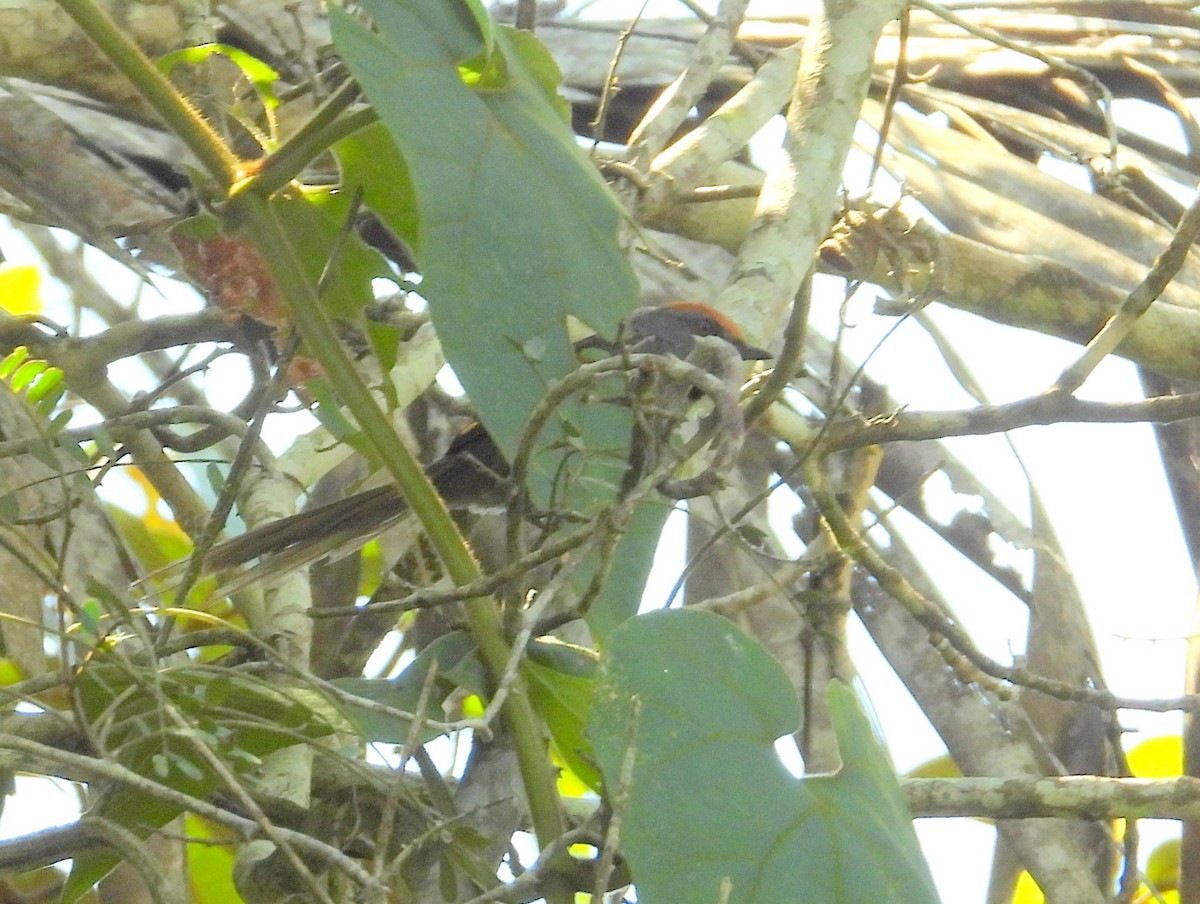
318,133
251,210
183,119
486,629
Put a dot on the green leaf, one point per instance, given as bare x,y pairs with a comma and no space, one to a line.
215,476
262,76
542,66
621,595
447,879
12,361
44,453
483,22
250,717
210,862
58,422
315,222
457,661
44,384
153,548
90,619
373,168
713,814
373,165
561,682
517,231
517,228
329,413
160,765
26,374
104,441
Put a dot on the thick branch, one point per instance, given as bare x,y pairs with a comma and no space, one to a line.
914,426
1069,796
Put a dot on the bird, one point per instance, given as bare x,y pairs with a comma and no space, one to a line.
472,476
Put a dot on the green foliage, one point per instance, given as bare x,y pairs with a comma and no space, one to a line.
473,165
712,813
210,862
562,681
156,724
262,76
40,386
560,677
372,165
517,229
451,662
40,383
621,594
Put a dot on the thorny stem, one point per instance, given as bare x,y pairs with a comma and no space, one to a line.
321,339
180,116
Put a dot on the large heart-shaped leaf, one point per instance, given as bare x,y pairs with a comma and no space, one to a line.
517,229
713,815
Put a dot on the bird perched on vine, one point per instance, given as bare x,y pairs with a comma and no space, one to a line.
472,476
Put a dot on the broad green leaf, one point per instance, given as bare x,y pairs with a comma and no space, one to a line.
371,163
517,230
373,167
483,21
210,862
457,662
316,222
621,595
713,815
561,681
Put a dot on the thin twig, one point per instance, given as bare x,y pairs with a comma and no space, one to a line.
1136,303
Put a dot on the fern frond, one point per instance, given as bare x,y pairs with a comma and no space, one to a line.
40,382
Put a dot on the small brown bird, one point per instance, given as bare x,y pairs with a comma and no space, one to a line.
471,476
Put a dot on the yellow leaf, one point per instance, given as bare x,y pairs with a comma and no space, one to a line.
10,672
939,767
154,521
20,288
1162,867
1027,891
210,862
1145,896
1160,757
569,784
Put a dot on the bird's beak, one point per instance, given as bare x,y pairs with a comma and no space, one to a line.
753,352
